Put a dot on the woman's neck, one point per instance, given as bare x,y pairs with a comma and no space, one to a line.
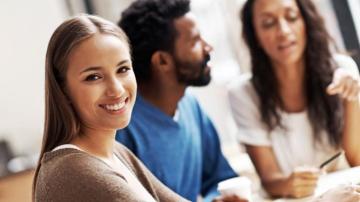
96,142
290,73
291,81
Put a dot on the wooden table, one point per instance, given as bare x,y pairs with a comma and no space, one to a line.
16,187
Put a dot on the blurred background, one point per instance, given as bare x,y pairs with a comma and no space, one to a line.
26,27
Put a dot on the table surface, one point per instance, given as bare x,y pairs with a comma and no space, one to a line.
16,187
328,181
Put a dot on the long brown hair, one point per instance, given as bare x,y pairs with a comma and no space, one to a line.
324,111
61,122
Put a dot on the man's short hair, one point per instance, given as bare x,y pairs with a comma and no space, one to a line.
149,25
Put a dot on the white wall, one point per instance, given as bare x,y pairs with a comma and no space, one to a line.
110,9
26,27
326,10
355,11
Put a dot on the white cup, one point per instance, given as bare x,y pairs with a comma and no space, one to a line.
240,186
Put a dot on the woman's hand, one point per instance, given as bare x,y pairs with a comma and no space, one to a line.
345,84
342,193
229,198
302,183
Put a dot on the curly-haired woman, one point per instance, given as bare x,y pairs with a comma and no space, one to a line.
301,104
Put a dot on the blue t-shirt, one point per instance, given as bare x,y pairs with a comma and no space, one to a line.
184,154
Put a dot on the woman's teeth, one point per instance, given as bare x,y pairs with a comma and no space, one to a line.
114,107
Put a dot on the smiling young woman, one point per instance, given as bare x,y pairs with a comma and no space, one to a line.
90,93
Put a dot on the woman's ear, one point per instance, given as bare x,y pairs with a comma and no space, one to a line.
162,61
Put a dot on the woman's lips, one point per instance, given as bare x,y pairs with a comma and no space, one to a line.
115,107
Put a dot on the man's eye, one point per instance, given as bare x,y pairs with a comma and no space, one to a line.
92,77
123,69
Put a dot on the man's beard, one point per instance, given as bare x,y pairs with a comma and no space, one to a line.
188,72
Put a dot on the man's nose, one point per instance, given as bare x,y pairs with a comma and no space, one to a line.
208,48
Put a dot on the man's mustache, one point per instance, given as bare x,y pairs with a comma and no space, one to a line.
206,60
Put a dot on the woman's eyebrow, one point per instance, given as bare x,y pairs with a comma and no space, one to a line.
99,67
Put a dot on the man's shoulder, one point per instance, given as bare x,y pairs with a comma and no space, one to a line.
143,109
189,101
189,97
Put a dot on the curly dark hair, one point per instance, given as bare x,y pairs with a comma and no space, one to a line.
149,25
324,111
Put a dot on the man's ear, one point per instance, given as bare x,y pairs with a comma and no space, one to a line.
162,60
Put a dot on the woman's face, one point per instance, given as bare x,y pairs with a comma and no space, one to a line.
100,82
280,30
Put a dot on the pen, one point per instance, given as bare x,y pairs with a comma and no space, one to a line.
330,159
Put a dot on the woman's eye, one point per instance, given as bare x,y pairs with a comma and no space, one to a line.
267,23
292,16
123,69
92,77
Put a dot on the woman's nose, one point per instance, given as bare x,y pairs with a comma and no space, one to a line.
114,88
284,27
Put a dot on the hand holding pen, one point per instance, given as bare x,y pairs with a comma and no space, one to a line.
303,180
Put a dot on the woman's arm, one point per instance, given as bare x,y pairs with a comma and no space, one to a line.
347,85
298,184
351,134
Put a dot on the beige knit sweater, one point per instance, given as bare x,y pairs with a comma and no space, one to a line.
70,175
